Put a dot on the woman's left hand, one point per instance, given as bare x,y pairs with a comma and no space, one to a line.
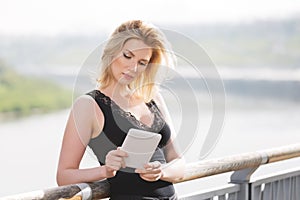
151,172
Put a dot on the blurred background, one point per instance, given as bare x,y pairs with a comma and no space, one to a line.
44,46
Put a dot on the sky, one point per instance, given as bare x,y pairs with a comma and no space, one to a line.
52,17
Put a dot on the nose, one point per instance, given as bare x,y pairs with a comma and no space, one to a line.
134,66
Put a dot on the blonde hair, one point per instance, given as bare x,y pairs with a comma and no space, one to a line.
144,85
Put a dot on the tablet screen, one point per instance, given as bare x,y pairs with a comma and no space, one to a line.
140,146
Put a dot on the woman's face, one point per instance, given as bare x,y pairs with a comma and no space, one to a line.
131,61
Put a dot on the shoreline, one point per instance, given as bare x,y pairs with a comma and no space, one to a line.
7,117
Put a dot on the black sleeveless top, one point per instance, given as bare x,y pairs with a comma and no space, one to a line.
117,122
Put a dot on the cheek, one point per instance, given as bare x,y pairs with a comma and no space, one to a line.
119,64
114,70
116,66
144,68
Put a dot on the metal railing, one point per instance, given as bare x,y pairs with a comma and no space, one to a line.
229,191
283,186
278,187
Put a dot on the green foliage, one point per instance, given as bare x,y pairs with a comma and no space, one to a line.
20,95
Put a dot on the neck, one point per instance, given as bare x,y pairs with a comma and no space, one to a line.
116,90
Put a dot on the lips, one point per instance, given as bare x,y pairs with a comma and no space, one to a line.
128,76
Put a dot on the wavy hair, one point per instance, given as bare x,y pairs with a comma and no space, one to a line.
144,85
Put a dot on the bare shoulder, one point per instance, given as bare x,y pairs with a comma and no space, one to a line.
84,101
83,107
86,108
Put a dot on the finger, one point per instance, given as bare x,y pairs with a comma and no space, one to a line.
148,171
114,159
140,171
121,152
154,171
117,153
114,164
149,168
119,160
123,164
153,165
150,177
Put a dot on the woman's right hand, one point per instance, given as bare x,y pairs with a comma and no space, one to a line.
114,161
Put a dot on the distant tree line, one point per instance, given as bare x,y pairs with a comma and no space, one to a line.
21,96
261,43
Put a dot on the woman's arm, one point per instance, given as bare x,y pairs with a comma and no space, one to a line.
173,170
85,120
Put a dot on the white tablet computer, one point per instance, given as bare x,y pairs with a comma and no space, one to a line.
140,146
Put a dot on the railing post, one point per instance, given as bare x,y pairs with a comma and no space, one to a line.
242,177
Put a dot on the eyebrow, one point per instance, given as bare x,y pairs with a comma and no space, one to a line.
134,55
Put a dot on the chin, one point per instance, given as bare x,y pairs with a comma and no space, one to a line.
124,81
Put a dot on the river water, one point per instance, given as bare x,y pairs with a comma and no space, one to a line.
29,147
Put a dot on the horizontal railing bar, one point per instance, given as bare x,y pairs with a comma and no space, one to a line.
193,171
237,162
282,153
100,190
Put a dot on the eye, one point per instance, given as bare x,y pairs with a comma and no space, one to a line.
143,63
126,55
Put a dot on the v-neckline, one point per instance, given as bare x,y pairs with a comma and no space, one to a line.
128,113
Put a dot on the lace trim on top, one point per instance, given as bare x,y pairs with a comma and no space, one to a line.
158,121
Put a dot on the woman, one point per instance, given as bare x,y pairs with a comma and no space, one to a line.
125,98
